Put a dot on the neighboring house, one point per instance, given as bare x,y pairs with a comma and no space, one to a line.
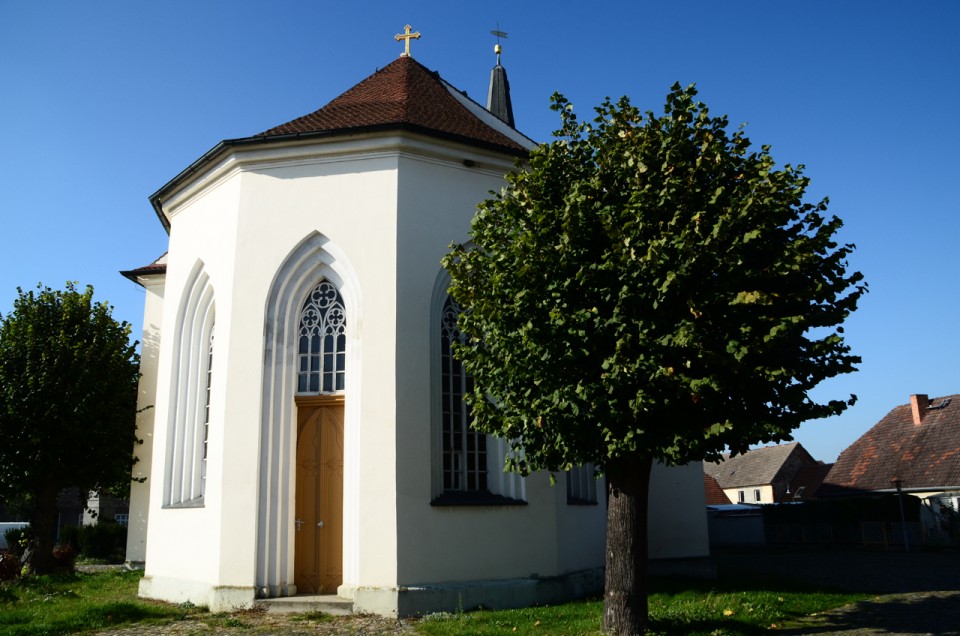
915,446
105,508
762,475
71,505
73,509
318,443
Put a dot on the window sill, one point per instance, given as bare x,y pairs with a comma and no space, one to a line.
572,501
193,503
475,498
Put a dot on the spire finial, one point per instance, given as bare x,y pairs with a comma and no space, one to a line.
500,34
498,96
406,36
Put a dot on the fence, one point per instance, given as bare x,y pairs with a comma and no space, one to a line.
882,534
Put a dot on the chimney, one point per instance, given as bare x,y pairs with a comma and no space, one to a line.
918,405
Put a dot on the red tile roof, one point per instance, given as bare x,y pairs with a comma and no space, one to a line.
713,493
926,455
403,95
806,482
158,266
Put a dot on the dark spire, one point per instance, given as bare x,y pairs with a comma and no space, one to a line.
498,96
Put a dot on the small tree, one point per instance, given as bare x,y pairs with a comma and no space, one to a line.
68,392
648,289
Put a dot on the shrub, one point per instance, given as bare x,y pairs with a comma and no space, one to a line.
102,540
17,539
9,567
70,535
64,556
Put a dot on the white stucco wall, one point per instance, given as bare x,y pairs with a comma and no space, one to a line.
242,224
749,494
183,542
387,208
437,198
146,398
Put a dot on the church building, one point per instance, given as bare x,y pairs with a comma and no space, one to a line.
305,432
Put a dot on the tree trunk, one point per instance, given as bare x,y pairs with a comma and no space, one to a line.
43,527
625,593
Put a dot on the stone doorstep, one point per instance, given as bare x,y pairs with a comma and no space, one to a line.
301,604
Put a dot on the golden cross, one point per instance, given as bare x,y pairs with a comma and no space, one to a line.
406,36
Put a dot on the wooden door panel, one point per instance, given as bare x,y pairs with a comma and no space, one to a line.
331,501
318,555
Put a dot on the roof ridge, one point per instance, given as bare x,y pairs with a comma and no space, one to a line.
405,94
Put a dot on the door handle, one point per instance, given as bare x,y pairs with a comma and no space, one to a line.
299,523
319,524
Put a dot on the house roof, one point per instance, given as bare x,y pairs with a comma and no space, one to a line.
753,468
402,96
158,266
922,456
713,493
806,482
407,95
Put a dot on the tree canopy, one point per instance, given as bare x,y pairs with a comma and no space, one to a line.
655,277
649,288
68,393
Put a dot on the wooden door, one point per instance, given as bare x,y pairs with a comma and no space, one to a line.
318,556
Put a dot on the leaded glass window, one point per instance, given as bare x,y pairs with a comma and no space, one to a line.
323,341
464,449
206,416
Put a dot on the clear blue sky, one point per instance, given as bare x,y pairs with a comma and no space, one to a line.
101,103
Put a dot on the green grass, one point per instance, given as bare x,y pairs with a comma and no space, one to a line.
313,617
77,602
715,608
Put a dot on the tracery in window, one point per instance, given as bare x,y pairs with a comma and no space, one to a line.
464,450
323,340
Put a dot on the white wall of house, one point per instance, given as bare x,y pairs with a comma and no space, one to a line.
146,412
388,208
243,221
437,198
757,494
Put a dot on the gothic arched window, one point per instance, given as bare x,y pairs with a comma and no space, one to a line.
206,415
190,406
322,347
464,450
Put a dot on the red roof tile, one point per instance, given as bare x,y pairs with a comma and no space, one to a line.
713,493
403,95
806,482
926,455
158,266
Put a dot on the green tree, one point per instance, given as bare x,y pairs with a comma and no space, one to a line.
68,393
649,289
